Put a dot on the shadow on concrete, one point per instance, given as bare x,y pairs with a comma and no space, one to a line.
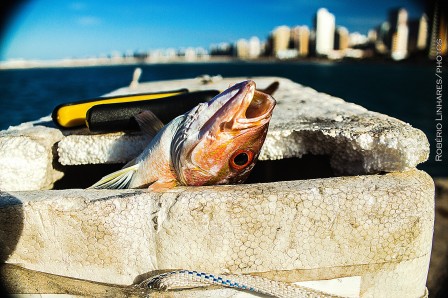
83,176
11,226
307,167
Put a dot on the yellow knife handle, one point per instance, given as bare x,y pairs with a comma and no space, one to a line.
74,114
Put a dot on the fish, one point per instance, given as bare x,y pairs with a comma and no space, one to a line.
217,142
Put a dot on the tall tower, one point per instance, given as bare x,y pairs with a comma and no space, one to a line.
280,39
242,48
418,34
325,26
254,47
439,31
399,34
422,36
341,38
300,36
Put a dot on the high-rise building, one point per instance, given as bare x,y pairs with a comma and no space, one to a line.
280,39
382,43
372,35
325,27
422,37
439,30
242,48
399,49
398,35
190,54
222,49
300,37
254,47
312,43
341,39
418,34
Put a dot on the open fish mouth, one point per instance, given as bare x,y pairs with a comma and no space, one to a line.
242,107
256,111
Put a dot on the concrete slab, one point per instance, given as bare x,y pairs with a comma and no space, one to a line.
27,155
378,227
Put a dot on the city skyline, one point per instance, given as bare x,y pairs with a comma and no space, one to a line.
76,29
397,37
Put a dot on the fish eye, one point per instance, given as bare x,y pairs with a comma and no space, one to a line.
241,159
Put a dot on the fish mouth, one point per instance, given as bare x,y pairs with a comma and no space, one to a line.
242,107
255,109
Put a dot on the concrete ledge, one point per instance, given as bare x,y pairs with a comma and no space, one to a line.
378,227
27,158
305,121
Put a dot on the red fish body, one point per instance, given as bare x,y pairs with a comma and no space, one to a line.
217,142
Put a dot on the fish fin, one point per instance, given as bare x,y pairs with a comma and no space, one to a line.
162,185
116,180
148,122
130,163
271,88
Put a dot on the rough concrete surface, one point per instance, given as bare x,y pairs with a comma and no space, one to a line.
305,121
377,227
26,158
438,269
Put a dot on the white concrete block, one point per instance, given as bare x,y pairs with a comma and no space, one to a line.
26,158
378,227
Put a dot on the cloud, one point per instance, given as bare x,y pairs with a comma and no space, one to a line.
88,21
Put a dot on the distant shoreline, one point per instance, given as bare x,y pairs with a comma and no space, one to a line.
131,61
87,62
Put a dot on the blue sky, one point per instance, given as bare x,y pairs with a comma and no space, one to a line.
53,29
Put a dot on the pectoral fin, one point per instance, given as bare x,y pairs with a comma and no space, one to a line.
117,180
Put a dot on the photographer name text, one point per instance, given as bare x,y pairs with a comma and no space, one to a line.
439,102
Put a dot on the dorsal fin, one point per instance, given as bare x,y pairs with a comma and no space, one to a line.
271,88
149,123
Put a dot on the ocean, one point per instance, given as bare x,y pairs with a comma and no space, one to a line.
401,90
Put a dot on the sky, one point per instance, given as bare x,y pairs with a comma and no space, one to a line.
56,29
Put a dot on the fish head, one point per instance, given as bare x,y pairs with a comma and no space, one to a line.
219,141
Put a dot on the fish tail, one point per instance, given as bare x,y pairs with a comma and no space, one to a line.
116,180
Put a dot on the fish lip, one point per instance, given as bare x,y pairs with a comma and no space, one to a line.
239,107
225,106
257,110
